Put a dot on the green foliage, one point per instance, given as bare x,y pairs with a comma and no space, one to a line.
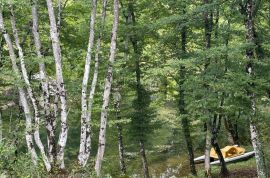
149,111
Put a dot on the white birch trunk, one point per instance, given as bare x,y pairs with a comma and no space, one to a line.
207,166
250,56
93,88
60,84
59,14
107,91
260,162
82,157
44,84
23,100
29,91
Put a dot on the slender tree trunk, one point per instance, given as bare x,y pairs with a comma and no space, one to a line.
207,30
16,131
60,84
45,86
144,160
82,157
22,96
182,107
94,83
137,52
30,92
250,37
232,133
215,129
207,166
121,149
107,91
59,15
117,100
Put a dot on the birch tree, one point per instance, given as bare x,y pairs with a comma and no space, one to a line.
22,95
93,85
250,9
107,91
82,157
60,84
207,31
29,90
50,119
117,102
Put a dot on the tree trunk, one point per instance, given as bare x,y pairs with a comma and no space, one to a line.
215,129
22,96
45,86
182,106
207,150
94,83
231,130
59,15
107,91
144,160
60,84
117,100
250,38
121,149
29,91
207,30
82,157
137,52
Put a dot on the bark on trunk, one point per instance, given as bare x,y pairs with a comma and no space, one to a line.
121,149
82,157
144,160
208,18
207,151
107,91
44,85
231,130
22,96
94,82
117,101
137,52
250,37
60,84
182,107
259,155
59,15
215,129
29,91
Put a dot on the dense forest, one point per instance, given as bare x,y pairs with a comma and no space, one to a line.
134,88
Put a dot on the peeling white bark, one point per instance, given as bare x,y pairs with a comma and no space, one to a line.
44,84
84,115
107,91
87,145
207,166
250,37
29,91
60,84
22,96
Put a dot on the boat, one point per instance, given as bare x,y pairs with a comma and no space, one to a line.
242,157
230,154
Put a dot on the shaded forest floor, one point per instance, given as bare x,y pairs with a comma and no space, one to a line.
243,169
